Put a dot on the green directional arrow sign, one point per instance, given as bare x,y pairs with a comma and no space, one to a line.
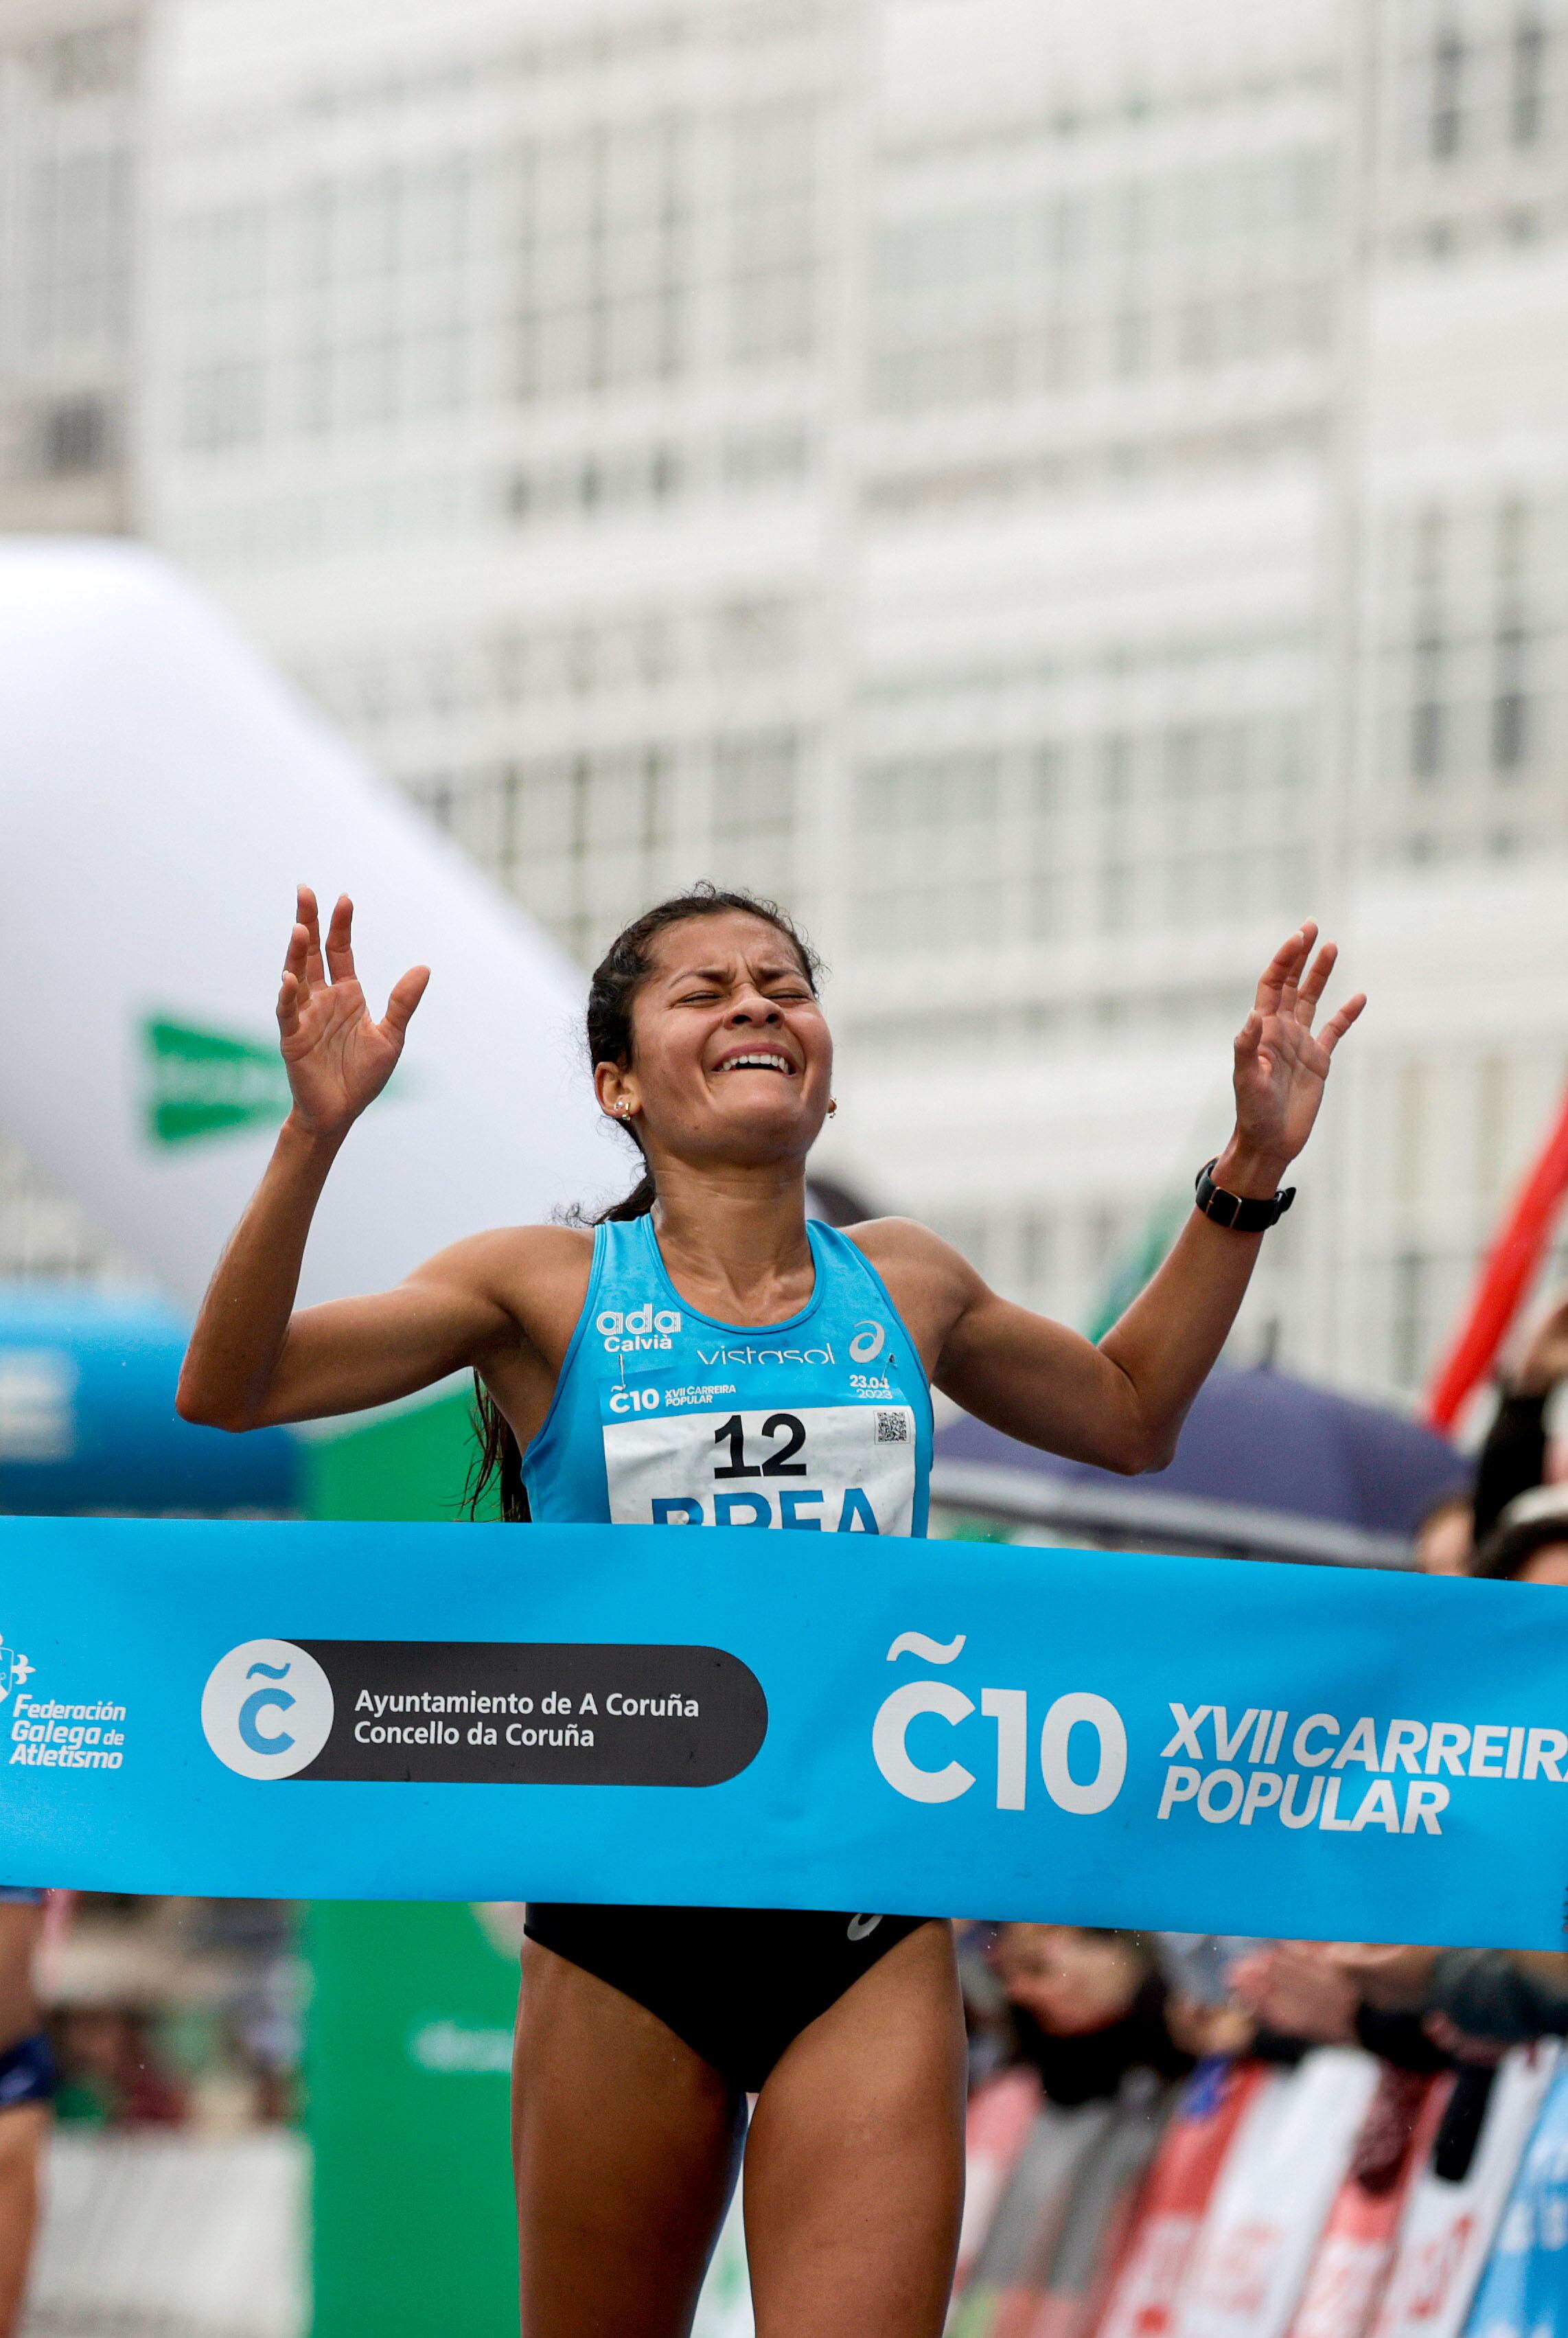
199,1083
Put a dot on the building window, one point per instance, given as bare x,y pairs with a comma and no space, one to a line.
1409,1332
1428,712
1412,1135
1180,766
1511,742
77,239
1115,892
969,1235
1494,1128
221,407
1117,877
95,61
1510,705
75,437
1115,772
1037,1249
223,256
1447,121
773,233
603,260
1527,82
945,791
756,784
1132,341
382,258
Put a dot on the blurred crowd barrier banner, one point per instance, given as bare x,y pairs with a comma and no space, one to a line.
1340,2199
776,1719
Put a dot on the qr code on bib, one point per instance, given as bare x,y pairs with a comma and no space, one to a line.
892,1429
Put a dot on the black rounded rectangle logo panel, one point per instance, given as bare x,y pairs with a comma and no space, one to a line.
536,1713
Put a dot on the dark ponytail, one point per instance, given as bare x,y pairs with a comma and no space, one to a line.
611,997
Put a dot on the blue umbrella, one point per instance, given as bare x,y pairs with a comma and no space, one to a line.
1264,1439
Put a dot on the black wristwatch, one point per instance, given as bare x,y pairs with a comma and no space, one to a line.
1241,1214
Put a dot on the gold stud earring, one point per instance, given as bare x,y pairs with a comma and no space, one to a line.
622,1107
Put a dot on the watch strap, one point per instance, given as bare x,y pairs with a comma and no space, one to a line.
1242,1214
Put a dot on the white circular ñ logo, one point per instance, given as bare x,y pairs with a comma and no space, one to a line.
266,1709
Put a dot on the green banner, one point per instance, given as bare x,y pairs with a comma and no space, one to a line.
409,2031
199,1083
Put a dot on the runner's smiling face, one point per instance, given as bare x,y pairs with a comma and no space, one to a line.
732,1059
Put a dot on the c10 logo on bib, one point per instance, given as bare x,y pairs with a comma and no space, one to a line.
266,1709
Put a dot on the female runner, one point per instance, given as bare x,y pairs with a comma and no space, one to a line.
642,2030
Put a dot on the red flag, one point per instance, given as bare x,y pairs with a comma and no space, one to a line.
1511,1267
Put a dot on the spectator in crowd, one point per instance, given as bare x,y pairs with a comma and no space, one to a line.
1512,1460
112,2073
26,2083
1343,1993
1529,1542
1087,2007
1446,1536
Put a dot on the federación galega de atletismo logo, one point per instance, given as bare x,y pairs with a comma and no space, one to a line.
266,1709
14,1669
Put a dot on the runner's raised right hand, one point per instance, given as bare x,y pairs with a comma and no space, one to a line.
337,1060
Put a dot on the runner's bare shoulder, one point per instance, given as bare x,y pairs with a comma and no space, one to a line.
930,1281
904,1247
537,1274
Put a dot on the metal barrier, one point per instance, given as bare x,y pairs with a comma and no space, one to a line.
1109,1518
173,2236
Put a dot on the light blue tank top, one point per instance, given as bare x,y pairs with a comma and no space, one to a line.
664,1417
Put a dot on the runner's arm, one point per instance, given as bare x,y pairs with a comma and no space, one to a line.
1121,1404
254,1360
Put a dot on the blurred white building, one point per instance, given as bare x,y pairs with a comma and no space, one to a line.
71,125
1055,494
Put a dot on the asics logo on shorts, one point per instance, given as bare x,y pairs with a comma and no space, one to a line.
862,1927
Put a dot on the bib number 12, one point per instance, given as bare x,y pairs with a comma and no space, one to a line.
780,1463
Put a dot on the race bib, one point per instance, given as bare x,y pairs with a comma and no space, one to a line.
835,1469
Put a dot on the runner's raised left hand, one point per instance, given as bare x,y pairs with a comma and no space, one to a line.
1281,1062
338,1058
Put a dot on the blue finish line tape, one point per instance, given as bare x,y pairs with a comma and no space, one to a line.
780,1720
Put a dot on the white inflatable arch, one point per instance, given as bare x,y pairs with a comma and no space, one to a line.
161,793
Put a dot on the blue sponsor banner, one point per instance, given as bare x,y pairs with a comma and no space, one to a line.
780,1720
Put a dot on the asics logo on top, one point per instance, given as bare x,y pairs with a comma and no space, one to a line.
867,1342
643,1327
